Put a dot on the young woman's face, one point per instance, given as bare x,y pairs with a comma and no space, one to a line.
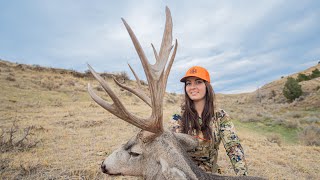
195,88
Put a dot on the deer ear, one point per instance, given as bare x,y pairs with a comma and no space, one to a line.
146,136
187,141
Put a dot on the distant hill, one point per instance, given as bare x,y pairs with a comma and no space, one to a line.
271,93
310,88
16,77
268,107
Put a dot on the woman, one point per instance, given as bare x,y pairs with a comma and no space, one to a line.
200,118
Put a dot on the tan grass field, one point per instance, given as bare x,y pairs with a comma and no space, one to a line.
75,135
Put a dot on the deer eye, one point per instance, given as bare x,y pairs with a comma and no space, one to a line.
133,154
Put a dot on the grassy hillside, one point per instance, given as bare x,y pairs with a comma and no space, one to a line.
58,132
268,108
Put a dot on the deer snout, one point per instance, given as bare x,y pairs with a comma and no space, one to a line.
103,168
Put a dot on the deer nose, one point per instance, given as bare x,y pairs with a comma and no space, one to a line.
103,168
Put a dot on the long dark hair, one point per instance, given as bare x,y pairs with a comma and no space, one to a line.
190,117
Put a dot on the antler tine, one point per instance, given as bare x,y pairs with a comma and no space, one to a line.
117,107
155,53
170,64
135,75
141,54
137,92
166,41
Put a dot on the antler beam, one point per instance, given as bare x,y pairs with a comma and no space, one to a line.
157,76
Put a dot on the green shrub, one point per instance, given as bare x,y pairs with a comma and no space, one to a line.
292,89
303,77
315,73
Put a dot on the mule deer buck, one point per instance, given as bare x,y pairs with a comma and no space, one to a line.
154,153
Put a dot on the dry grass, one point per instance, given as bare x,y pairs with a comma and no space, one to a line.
16,139
75,134
310,136
269,160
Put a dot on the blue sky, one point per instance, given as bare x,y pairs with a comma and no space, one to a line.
243,44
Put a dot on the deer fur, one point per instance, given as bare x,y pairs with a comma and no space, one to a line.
160,157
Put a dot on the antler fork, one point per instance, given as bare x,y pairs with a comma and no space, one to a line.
157,76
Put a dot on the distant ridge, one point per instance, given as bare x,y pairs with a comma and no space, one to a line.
39,68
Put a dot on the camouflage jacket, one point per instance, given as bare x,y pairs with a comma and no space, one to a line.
206,154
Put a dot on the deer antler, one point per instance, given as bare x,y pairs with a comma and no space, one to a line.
157,76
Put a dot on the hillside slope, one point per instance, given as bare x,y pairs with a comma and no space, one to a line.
298,121
310,88
68,135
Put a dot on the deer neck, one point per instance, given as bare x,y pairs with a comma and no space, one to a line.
167,159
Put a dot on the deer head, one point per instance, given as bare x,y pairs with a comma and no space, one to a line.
151,156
